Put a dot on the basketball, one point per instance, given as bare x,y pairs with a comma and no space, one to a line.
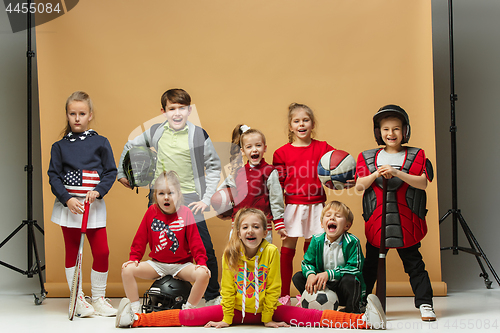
222,201
335,168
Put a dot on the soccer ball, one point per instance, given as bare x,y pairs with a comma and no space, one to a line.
322,300
335,168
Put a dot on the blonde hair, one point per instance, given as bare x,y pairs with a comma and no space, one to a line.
232,252
77,96
292,108
339,207
172,179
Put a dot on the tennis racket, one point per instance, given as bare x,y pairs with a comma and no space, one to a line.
78,266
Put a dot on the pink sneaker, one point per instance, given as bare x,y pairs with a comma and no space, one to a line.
285,300
298,298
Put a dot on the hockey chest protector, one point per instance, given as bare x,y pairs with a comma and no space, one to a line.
406,205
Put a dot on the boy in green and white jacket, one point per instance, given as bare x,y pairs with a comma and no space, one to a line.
334,259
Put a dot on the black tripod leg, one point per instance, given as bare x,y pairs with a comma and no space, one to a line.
441,220
39,228
475,244
43,292
11,235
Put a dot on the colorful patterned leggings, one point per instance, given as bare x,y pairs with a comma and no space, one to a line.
294,316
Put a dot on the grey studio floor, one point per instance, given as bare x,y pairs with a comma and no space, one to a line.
465,311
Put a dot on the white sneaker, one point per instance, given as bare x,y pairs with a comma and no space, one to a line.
103,308
216,301
188,305
427,312
374,315
125,316
83,308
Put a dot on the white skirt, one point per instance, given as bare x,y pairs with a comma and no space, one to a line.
97,216
303,220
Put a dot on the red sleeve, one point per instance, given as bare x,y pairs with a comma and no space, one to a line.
279,164
193,239
328,148
419,165
140,241
361,167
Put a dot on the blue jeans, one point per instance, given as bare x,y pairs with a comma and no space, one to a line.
213,284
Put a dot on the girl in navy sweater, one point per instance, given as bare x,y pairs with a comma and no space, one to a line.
82,169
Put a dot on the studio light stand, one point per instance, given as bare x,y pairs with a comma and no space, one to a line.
33,268
455,211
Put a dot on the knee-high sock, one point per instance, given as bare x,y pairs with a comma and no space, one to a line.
335,319
98,282
70,271
286,261
164,318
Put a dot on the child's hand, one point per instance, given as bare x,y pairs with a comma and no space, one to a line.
125,182
198,206
282,233
350,183
322,280
216,324
276,324
135,262
91,196
75,206
387,171
311,285
224,218
205,268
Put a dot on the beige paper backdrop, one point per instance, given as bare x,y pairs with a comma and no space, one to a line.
242,62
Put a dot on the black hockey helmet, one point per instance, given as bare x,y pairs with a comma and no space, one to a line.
139,166
165,294
391,110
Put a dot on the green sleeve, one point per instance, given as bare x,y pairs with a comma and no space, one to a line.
309,264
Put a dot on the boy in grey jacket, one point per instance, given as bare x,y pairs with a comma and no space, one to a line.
187,150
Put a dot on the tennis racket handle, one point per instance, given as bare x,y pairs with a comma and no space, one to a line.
85,217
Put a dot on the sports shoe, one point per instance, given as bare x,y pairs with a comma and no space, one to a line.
298,298
125,316
103,308
187,306
83,308
427,312
285,300
216,301
374,315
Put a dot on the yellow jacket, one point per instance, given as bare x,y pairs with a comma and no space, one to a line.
265,298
